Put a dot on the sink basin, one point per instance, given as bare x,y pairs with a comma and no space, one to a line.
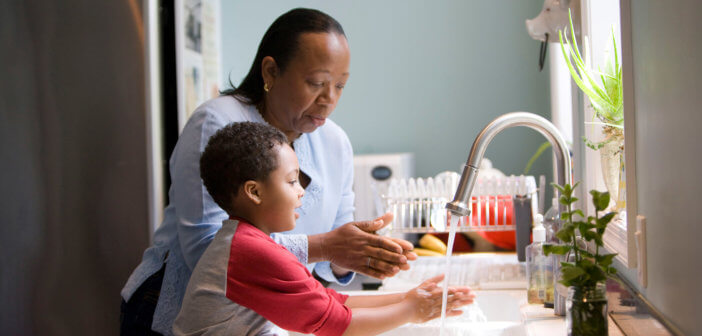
501,309
495,313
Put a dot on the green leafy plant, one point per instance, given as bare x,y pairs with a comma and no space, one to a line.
603,87
544,146
588,269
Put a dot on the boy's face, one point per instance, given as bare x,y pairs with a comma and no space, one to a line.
281,193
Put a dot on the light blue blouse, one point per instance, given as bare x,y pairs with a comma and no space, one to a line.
192,218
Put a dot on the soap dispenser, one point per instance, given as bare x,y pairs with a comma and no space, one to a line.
539,267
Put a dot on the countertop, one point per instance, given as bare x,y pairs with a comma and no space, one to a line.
538,320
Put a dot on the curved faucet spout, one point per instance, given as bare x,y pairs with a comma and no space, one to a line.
460,205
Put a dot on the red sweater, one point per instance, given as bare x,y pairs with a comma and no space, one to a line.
265,277
245,281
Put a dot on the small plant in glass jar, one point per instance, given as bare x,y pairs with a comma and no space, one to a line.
586,274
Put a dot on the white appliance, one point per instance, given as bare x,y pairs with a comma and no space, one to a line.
372,175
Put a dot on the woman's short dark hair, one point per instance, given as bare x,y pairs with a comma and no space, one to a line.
281,42
237,153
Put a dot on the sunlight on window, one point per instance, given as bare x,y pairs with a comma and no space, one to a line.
599,122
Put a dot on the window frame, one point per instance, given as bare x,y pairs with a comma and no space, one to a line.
618,238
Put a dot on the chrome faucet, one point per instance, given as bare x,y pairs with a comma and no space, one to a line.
460,206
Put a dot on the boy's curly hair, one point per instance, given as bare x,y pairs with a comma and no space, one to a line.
237,153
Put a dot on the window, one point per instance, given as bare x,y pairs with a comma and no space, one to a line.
599,19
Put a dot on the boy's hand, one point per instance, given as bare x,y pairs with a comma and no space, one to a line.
426,300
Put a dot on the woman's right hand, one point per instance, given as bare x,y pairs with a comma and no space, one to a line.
426,300
355,247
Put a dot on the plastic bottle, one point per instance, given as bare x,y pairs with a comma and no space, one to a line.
552,222
539,267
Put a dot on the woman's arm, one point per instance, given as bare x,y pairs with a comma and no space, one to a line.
353,246
198,218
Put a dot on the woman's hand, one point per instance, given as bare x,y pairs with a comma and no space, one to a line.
426,300
355,247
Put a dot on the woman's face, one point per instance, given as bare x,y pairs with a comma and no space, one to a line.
301,97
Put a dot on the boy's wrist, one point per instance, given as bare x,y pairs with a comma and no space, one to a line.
409,309
411,303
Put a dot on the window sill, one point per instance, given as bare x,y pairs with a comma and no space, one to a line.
615,239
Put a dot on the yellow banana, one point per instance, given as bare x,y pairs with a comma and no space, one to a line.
432,243
426,253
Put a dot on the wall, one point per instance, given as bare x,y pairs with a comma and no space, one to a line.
73,153
666,44
426,76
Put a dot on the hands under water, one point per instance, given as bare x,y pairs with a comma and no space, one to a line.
427,299
355,247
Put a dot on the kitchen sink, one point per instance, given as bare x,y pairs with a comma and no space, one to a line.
500,308
494,313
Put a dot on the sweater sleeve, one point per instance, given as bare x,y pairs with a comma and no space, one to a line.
337,296
344,213
197,216
346,205
265,277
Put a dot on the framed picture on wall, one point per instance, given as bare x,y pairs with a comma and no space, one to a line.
198,53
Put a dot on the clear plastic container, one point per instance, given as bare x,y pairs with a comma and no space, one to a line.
552,222
539,267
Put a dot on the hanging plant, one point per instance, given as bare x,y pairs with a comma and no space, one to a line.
602,87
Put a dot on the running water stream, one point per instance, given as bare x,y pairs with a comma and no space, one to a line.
447,274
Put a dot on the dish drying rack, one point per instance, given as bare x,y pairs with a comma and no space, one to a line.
477,270
419,204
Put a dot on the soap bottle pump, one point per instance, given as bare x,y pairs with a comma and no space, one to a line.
539,267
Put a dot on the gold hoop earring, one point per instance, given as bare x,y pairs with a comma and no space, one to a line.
265,87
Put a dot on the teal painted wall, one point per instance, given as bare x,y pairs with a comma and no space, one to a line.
426,76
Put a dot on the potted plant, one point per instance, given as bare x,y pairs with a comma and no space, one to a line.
584,272
604,89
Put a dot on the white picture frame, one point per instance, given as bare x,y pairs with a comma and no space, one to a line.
198,54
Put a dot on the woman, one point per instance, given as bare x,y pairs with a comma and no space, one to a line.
297,77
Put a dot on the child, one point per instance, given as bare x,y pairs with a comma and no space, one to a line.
246,284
